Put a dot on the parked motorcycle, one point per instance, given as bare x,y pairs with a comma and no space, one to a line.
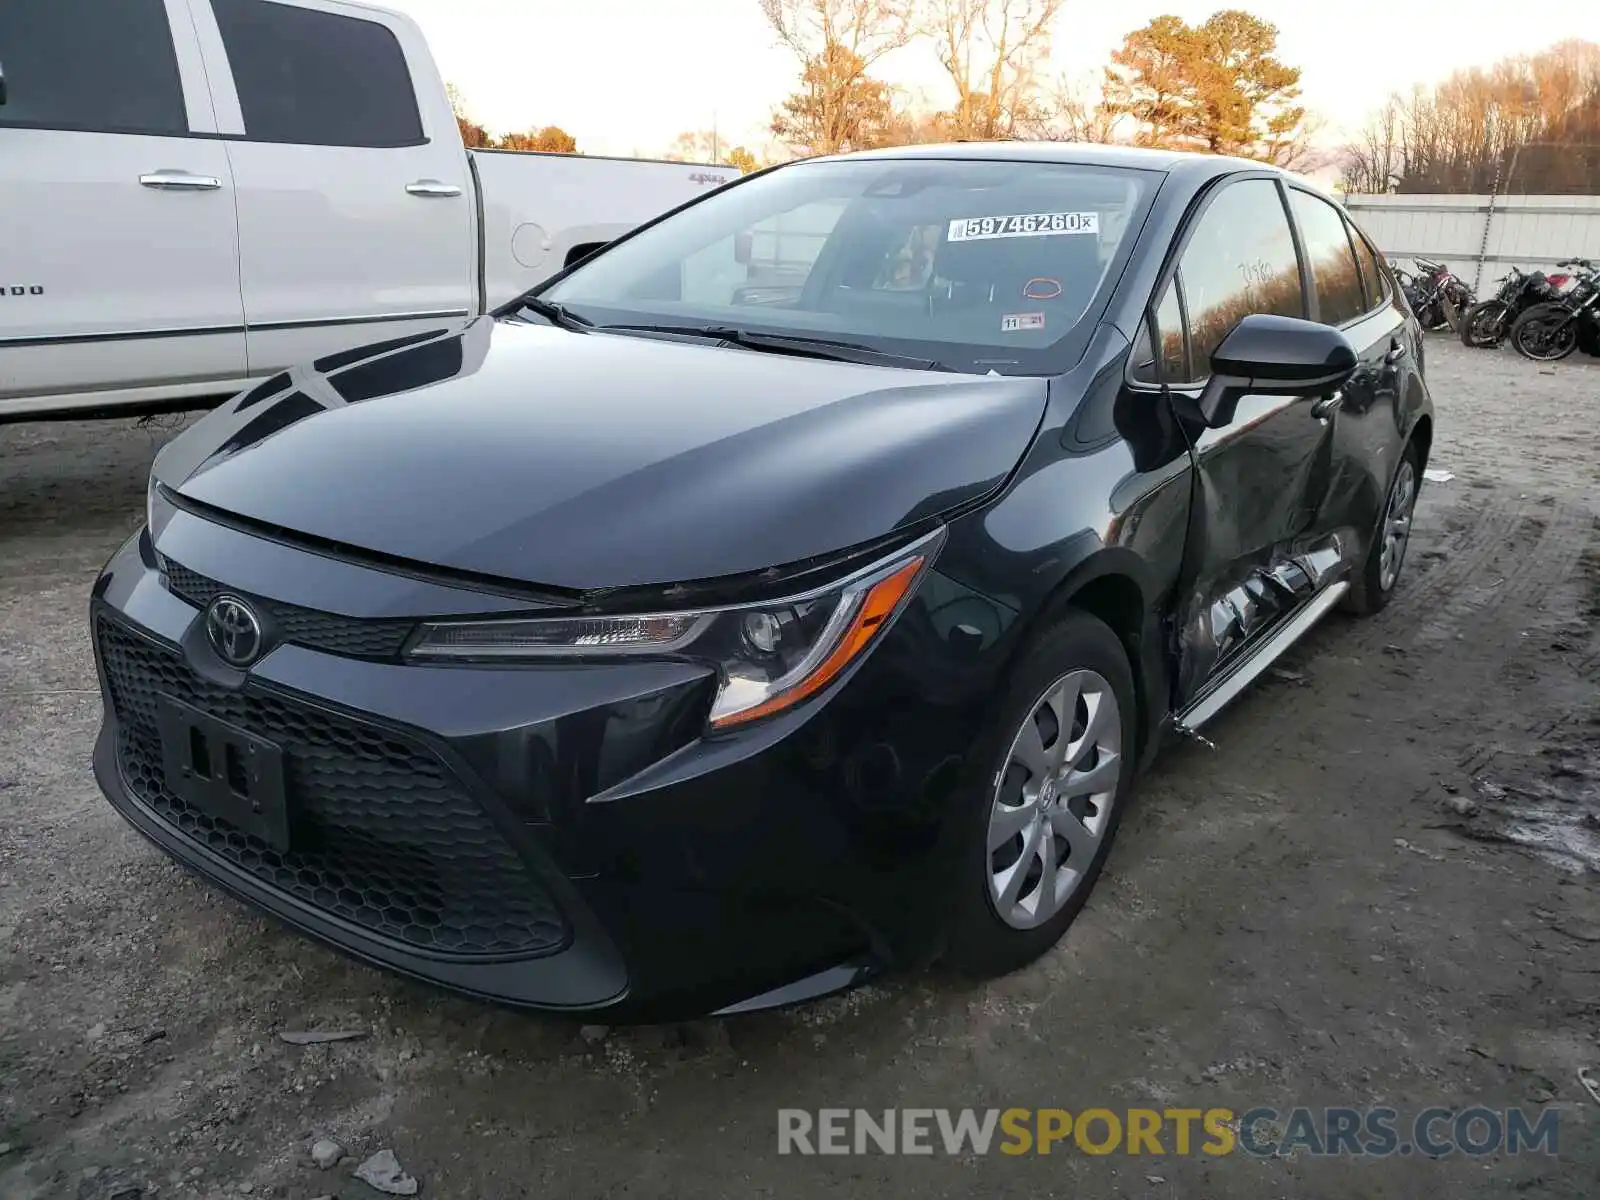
1550,331
1487,322
1437,294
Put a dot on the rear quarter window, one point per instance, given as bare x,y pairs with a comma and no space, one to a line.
1373,284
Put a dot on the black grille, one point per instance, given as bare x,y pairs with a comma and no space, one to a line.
383,835
349,636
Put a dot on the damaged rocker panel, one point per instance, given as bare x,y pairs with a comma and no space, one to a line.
1216,632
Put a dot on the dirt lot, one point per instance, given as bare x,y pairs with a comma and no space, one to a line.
1378,889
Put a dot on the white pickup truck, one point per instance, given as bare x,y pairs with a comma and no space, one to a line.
198,193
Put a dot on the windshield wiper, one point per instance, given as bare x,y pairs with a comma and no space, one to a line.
790,343
557,314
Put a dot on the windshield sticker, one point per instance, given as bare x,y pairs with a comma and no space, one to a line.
1041,289
977,229
1018,322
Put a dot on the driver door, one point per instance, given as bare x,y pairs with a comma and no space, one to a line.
1256,547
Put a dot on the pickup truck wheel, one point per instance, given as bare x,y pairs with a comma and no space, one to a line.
1059,758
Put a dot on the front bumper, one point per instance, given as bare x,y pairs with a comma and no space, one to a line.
558,838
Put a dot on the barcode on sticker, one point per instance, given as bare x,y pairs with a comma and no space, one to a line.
977,229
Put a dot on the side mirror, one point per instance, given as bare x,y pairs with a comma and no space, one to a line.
1275,356
744,247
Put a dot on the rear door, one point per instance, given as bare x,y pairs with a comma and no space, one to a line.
1258,544
1347,293
118,257
355,203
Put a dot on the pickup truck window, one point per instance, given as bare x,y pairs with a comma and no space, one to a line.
316,78
91,67
991,264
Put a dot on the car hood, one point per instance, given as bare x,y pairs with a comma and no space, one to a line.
596,461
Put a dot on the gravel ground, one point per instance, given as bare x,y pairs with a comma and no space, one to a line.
1378,889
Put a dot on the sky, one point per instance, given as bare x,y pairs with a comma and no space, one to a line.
627,76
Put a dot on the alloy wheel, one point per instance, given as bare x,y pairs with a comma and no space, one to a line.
1397,524
1053,798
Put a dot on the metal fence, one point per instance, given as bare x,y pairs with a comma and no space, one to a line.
1480,237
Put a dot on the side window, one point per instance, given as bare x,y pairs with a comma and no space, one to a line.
1332,262
1240,260
1371,274
316,78
90,66
1170,363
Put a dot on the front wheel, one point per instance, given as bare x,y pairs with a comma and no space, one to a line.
1484,324
1545,333
1057,759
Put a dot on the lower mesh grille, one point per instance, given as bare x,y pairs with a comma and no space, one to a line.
382,834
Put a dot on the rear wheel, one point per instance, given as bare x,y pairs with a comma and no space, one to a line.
1484,324
1058,759
1370,591
1545,333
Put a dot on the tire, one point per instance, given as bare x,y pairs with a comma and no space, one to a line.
1484,324
1082,652
1370,591
1531,339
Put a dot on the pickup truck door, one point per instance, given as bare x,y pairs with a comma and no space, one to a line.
356,205
119,268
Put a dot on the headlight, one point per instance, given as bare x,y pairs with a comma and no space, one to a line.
158,509
769,656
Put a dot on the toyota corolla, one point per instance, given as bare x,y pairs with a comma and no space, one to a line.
788,593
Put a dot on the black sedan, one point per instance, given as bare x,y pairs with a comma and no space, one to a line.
787,593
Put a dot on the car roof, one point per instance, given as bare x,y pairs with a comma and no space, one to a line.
1192,168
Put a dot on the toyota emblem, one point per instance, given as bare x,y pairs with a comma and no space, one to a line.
234,631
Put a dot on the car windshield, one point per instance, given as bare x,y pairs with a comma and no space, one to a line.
978,265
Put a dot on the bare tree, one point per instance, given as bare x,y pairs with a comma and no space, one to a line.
869,29
1068,113
1529,123
1374,162
992,50
837,43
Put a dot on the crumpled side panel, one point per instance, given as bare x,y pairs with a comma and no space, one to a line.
1223,615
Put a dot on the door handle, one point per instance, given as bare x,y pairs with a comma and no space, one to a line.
1396,351
180,181
1328,405
432,188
